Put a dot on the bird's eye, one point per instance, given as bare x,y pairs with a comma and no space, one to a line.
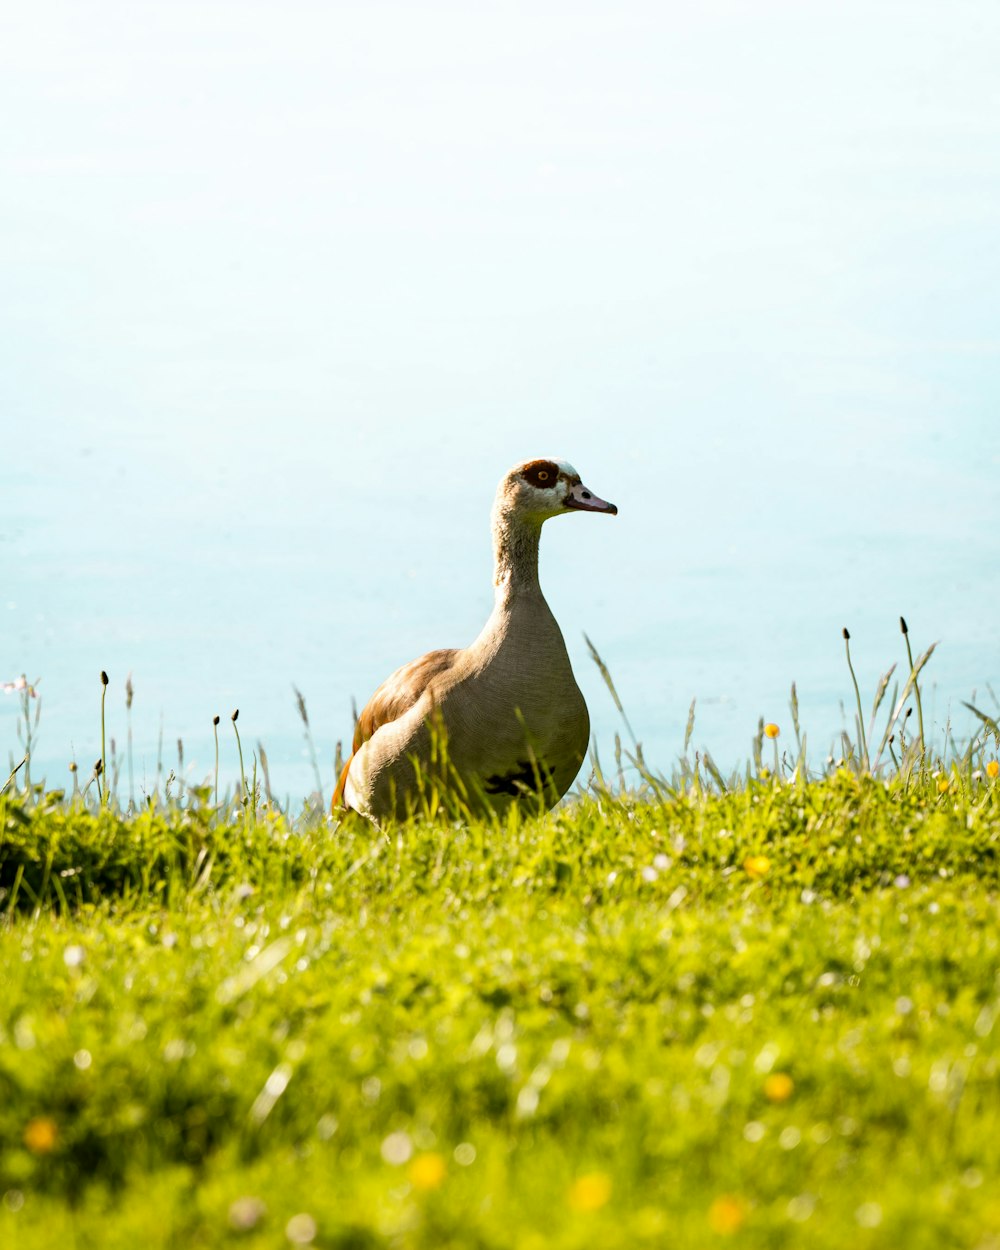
543,476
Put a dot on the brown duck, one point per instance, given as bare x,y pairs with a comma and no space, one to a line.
501,718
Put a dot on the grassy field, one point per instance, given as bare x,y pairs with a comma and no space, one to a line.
759,1018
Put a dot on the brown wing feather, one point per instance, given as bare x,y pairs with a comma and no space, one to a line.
393,699
398,693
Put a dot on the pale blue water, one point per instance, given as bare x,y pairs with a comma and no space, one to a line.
285,290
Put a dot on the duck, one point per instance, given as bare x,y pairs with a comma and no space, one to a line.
479,728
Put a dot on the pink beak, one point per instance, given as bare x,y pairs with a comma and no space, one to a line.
584,500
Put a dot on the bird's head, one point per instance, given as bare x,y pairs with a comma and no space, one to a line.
539,489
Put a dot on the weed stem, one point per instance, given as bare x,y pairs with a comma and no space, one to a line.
103,794
129,694
857,693
916,685
239,747
13,774
215,731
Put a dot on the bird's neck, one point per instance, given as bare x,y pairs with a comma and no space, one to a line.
515,554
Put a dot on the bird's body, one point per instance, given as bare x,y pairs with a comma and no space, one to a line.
495,720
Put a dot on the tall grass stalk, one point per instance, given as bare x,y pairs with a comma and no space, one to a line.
239,747
857,694
794,707
104,755
606,674
215,731
180,770
14,771
129,693
758,745
916,685
94,776
880,693
27,726
262,756
301,704
689,727
898,710
990,725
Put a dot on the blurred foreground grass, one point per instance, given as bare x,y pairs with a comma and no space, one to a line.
761,1018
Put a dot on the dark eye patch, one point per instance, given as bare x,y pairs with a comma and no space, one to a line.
541,473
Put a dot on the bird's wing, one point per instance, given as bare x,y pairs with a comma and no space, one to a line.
393,699
399,692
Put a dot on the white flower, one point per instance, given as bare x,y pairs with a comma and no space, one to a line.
18,684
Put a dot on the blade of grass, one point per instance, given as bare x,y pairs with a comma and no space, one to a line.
215,731
794,705
13,774
606,674
713,771
857,694
910,682
758,745
883,685
916,688
304,716
988,721
244,793
689,729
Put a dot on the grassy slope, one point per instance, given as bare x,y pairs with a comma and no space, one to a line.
571,1031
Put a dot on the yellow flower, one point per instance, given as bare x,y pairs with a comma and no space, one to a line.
727,1214
41,1135
944,785
993,770
778,1087
756,866
589,1192
428,1171
772,730
764,774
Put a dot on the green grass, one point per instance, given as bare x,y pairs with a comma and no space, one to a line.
760,1018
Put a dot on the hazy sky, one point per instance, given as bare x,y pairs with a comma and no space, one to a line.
287,287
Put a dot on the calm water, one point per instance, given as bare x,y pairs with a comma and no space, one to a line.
212,603
270,338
